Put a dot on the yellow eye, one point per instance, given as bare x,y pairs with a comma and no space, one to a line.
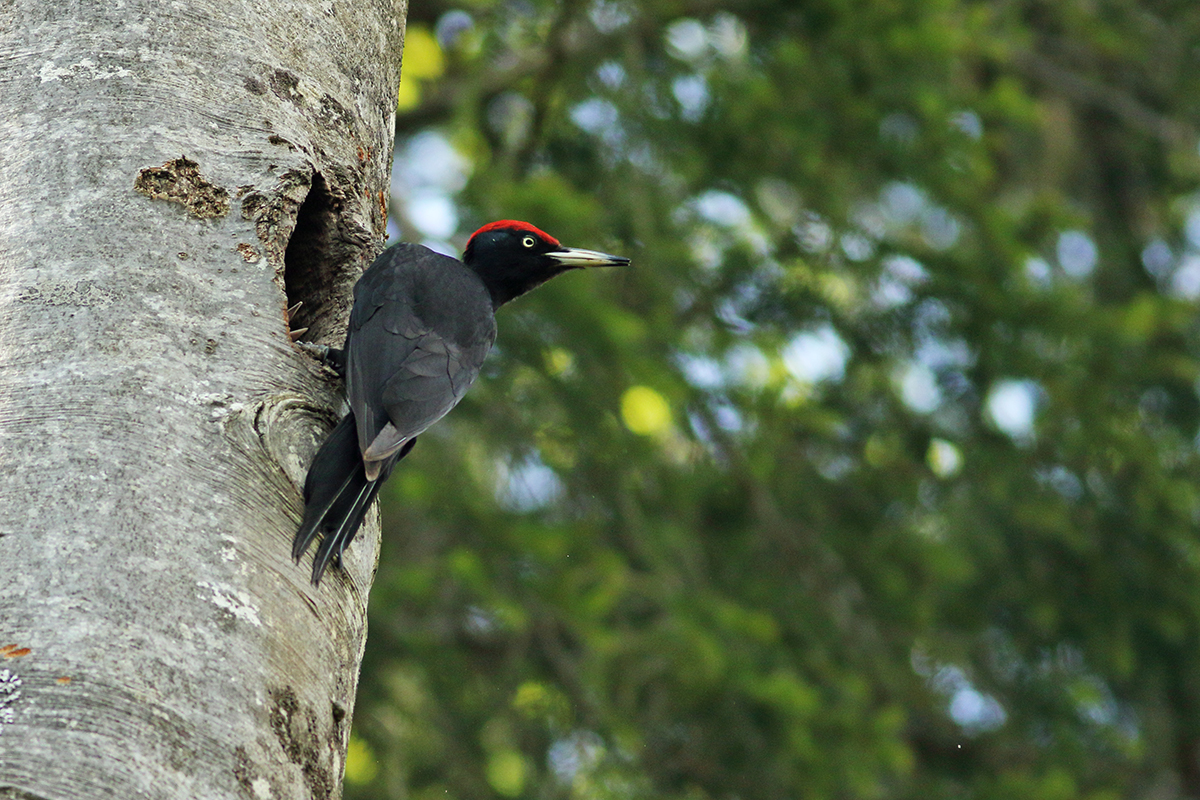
529,241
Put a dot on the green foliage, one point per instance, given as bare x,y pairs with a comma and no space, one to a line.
875,476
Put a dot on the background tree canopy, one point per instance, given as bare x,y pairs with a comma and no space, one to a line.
875,476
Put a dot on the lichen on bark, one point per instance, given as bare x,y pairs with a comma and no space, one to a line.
179,181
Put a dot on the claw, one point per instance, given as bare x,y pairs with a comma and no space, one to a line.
296,334
331,357
317,351
291,312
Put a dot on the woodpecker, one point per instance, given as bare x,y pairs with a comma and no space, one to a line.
421,326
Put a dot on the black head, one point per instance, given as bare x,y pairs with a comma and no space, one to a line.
513,257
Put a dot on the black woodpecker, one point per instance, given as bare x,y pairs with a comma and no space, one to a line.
421,326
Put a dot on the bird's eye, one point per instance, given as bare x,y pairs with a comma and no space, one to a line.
529,241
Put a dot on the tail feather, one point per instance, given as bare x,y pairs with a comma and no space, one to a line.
337,496
336,541
332,473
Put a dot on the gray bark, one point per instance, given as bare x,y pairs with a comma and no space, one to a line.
174,176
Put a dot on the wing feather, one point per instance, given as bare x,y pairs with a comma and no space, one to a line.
421,327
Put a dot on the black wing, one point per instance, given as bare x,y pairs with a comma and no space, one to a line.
421,327
419,331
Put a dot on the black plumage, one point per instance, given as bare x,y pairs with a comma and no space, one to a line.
421,326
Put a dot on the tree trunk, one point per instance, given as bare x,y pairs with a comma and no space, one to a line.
175,176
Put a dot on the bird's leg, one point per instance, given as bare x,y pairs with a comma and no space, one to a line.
317,351
331,357
335,358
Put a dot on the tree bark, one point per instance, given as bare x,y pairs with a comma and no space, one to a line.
175,176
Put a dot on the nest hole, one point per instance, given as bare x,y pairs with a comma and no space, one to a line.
310,264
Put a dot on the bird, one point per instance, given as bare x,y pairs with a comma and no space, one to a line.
420,328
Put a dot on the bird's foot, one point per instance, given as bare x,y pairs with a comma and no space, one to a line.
318,351
331,357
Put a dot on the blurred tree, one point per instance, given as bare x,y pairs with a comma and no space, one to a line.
876,475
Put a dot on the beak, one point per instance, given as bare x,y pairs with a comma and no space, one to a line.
571,257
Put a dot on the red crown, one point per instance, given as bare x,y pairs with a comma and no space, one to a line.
516,225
